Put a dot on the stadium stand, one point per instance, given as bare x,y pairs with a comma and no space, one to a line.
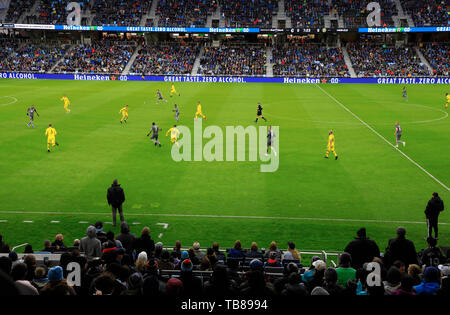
98,57
119,13
438,54
212,272
16,9
241,13
34,57
185,13
374,60
355,13
428,12
234,59
165,58
307,13
308,60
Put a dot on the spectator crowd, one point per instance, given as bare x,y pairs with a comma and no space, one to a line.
185,13
308,60
126,264
438,54
376,60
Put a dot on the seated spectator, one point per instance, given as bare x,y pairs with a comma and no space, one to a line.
40,278
220,285
211,255
415,272
198,253
406,286
344,270
135,284
30,261
431,282
400,265
145,242
174,288
256,285
294,286
19,275
293,251
273,248
177,249
362,249
48,248
28,249
393,279
57,285
165,263
58,243
192,286
330,284
254,252
219,254
318,268
236,251
106,284
110,237
205,264
273,261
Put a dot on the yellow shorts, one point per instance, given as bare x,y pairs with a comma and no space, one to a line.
173,140
51,141
330,148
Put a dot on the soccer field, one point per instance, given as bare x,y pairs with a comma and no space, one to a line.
318,203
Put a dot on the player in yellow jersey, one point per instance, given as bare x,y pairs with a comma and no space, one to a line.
124,112
66,101
330,146
448,100
199,111
50,133
173,91
174,133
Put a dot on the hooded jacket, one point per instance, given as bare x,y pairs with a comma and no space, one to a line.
434,207
90,245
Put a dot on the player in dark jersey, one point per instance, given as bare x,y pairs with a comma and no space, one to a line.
160,97
270,136
405,94
177,112
30,113
259,113
155,129
398,135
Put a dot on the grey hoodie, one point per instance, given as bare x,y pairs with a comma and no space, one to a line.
90,244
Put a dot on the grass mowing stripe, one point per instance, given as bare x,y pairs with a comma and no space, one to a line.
374,131
219,217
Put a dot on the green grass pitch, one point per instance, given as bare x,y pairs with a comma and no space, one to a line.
315,202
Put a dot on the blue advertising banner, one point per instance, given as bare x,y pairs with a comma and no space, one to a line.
222,79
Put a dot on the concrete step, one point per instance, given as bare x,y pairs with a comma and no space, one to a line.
196,65
348,62
126,71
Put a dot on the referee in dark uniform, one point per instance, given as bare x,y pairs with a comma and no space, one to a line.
434,207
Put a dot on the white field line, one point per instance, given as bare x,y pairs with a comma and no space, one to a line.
375,132
223,217
14,100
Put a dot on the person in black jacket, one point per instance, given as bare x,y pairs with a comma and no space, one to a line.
116,198
434,207
362,249
145,243
400,248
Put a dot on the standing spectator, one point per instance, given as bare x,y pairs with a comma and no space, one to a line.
90,244
126,238
30,261
116,198
3,246
431,256
434,207
145,243
345,271
177,249
400,249
362,249
430,282
5,265
110,237
165,263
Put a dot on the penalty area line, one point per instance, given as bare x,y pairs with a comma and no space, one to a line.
212,216
383,138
